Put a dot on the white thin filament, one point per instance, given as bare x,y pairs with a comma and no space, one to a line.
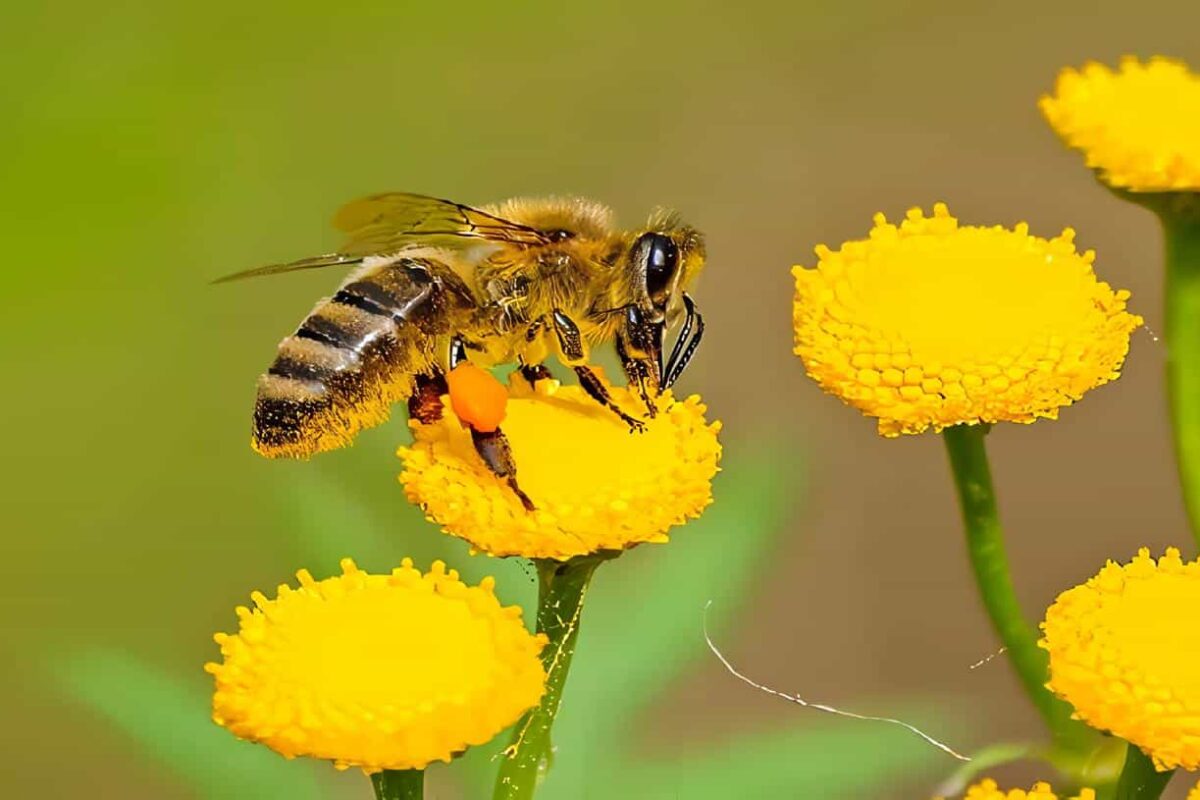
791,698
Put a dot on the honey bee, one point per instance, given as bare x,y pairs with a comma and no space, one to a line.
436,282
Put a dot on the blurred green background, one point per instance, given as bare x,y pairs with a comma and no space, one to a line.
148,148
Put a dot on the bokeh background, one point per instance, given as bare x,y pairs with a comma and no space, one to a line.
146,148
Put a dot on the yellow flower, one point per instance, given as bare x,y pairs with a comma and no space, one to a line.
1124,649
1139,125
931,323
595,485
988,789
1194,794
377,671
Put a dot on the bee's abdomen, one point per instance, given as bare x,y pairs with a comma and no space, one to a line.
353,358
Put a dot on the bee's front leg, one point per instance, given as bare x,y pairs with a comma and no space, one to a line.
571,343
638,374
639,345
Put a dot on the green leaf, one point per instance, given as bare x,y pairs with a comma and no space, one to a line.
170,722
829,759
984,761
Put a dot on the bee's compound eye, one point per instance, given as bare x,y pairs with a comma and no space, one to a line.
662,259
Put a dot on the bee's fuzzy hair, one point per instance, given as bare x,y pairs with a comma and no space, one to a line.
576,214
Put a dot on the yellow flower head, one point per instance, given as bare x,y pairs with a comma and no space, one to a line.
377,671
929,323
1138,125
1194,794
988,789
1124,649
595,485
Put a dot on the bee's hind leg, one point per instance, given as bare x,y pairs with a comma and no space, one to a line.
425,403
495,451
491,445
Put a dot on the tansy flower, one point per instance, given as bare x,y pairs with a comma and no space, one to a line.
377,671
595,486
929,323
1124,649
1138,125
988,789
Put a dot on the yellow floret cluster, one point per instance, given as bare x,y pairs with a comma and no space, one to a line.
1124,649
380,672
988,789
930,323
1137,125
595,485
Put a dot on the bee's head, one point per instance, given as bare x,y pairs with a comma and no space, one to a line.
663,262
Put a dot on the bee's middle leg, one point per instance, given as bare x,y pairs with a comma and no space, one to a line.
571,344
596,389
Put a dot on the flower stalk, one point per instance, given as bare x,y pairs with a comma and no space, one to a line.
1181,234
985,546
562,587
1139,779
399,784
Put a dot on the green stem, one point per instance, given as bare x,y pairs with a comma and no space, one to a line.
1181,234
1139,779
399,784
985,545
562,588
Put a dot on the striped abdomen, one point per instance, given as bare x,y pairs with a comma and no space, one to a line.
356,355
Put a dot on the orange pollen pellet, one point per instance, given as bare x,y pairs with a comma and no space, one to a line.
478,399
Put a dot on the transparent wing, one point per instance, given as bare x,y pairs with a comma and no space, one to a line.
315,262
385,223
382,223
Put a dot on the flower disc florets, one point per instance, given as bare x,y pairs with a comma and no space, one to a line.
929,324
988,789
594,484
1124,649
377,671
1138,125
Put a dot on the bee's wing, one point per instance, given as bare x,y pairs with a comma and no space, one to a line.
315,262
385,223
